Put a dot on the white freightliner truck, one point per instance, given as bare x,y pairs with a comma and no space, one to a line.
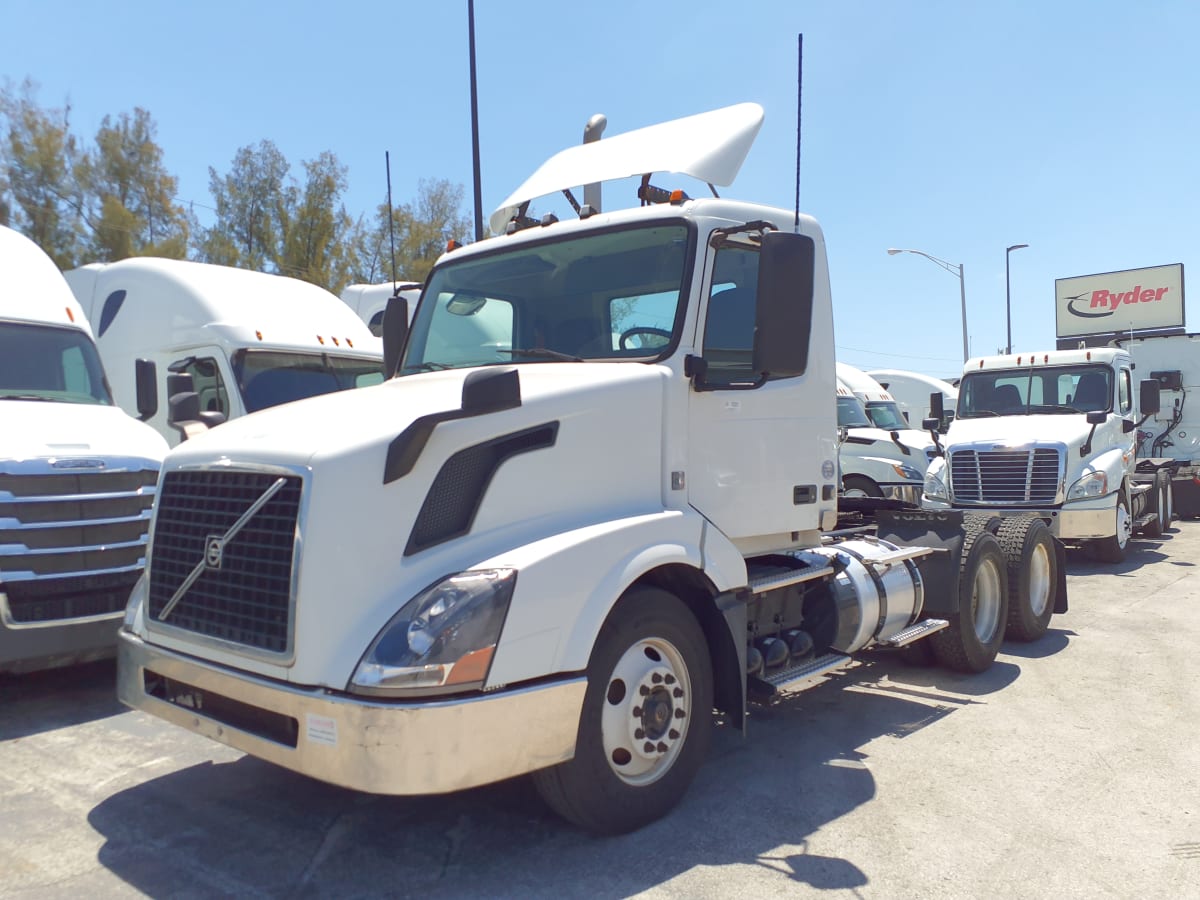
224,342
533,551
1053,435
370,300
1174,431
876,462
77,475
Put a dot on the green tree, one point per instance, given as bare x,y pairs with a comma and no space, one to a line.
129,195
422,230
249,202
39,158
314,226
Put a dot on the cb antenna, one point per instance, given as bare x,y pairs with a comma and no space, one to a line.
799,95
387,164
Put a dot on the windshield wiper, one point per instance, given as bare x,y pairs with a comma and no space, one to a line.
26,397
979,413
542,351
429,366
1053,407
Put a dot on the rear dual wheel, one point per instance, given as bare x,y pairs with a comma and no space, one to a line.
1032,571
972,639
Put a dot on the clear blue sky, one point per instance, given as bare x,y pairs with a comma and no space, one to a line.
956,128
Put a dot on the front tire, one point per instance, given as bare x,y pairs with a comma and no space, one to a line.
860,486
972,639
646,722
1032,568
1113,548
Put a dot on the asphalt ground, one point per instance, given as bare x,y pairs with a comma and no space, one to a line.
1070,769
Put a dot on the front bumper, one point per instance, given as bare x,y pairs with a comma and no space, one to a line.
909,493
28,647
411,747
1074,521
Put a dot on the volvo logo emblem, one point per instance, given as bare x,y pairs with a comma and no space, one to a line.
214,548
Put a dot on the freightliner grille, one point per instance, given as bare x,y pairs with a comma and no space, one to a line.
246,597
1005,475
72,541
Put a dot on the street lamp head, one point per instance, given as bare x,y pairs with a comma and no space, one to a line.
892,251
1015,247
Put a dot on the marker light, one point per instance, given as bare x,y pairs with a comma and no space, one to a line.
70,315
320,340
335,342
258,334
349,343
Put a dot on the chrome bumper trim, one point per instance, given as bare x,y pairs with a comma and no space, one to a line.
415,747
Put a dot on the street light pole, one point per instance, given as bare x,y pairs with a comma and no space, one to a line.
1008,294
953,269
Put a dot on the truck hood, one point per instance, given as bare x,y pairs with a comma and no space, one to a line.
35,429
882,445
382,541
1071,430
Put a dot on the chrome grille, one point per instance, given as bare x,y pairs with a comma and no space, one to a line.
1006,475
72,542
246,599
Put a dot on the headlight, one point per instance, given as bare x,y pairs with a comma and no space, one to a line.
934,489
906,472
443,638
1094,484
133,607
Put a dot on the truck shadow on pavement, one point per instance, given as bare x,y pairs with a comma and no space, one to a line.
57,698
1142,552
249,828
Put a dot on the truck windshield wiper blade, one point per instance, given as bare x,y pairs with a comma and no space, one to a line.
1053,407
979,414
26,397
429,366
542,351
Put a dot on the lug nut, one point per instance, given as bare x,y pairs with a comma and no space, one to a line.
637,712
670,679
677,693
662,748
648,747
643,690
679,714
639,733
673,734
656,678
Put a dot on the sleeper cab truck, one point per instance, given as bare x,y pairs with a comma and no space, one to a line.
77,475
369,301
215,342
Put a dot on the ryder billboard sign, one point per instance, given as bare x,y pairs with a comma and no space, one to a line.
1115,303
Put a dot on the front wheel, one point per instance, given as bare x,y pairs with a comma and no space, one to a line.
646,721
860,486
1112,549
972,640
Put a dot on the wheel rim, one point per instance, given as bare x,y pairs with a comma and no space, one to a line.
855,492
985,601
1039,580
1169,505
647,705
1124,525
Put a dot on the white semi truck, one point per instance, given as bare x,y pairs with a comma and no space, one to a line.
1174,431
913,389
876,462
1053,435
533,551
370,300
224,342
77,475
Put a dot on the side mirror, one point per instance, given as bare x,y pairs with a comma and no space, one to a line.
784,303
1097,417
1150,398
937,408
395,333
931,424
145,375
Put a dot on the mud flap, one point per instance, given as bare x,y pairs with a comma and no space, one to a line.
1060,566
942,529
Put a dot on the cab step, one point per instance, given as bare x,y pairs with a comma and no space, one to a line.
795,677
915,632
770,581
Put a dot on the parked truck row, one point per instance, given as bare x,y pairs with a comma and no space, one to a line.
595,499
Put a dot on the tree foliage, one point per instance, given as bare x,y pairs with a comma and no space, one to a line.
129,197
115,198
421,232
40,155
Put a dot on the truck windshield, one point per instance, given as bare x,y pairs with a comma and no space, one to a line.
886,414
1053,390
270,377
851,413
45,362
608,296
